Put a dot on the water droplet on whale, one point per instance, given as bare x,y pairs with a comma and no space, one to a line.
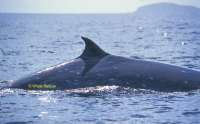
37,78
115,67
137,75
151,78
111,79
184,71
76,81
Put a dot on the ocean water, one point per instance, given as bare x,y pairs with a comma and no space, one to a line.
31,42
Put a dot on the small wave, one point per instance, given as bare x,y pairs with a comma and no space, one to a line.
153,58
138,116
47,51
190,66
181,28
19,122
194,32
187,57
10,53
12,38
135,57
191,113
6,91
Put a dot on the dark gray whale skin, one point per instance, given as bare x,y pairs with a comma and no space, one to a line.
94,67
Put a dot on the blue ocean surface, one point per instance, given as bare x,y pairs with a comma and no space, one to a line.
32,42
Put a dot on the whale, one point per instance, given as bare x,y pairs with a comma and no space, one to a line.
95,67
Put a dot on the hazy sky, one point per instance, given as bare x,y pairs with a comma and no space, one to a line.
81,6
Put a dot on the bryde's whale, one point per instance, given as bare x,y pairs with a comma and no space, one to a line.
95,67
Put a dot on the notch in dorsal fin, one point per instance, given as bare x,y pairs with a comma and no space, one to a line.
91,49
91,55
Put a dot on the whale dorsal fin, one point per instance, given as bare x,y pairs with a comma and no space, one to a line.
91,49
91,55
